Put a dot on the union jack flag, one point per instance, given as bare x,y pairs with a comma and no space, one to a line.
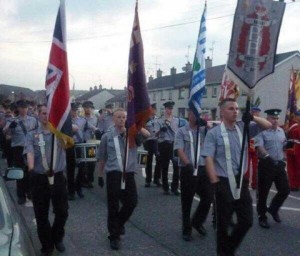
57,83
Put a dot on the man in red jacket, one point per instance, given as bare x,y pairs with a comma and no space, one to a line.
293,154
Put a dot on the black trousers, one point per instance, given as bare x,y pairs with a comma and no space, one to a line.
226,205
152,148
190,185
8,153
71,165
90,169
117,216
165,155
23,185
42,194
267,174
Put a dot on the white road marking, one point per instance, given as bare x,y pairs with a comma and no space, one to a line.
254,205
293,197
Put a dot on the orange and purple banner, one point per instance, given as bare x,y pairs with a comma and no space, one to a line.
138,105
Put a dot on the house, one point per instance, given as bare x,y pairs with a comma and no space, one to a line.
272,90
99,96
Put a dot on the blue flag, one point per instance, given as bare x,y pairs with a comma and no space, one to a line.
197,86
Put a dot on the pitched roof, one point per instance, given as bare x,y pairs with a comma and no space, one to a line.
94,92
282,56
118,98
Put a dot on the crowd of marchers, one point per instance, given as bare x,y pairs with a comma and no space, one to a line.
206,161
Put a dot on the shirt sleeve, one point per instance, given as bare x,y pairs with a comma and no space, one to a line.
28,148
259,140
209,147
102,152
179,140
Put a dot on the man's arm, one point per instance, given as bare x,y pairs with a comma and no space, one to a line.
183,157
30,161
210,170
101,168
262,122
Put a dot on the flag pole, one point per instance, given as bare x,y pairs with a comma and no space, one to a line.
245,136
196,151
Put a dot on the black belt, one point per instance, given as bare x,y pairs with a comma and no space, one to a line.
167,141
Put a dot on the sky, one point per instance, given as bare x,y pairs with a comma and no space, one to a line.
98,37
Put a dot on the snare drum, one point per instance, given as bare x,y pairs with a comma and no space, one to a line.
142,158
86,152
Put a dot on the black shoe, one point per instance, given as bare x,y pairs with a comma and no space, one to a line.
90,185
201,230
275,216
294,189
71,196
115,244
47,252
60,247
21,200
264,223
80,194
187,237
175,192
147,185
157,183
166,192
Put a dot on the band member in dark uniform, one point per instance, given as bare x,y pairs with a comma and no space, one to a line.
18,127
111,158
168,126
152,147
222,152
193,180
271,168
47,185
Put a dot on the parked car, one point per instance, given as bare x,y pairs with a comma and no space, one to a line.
15,238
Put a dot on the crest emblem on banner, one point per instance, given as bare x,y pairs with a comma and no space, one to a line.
254,40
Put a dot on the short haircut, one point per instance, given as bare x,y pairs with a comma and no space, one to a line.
224,102
118,110
40,106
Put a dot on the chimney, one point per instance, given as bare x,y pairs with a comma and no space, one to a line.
173,71
187,67
100,87
95,88
158,73
208,62
91,88
150,78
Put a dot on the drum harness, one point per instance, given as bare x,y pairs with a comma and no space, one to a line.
236,192
42,144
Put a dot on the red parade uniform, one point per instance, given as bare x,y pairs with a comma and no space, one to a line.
252,158
293,158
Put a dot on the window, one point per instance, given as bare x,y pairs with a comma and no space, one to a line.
154,96
181,93
214,92
204,95
170,94
162,95
181,112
